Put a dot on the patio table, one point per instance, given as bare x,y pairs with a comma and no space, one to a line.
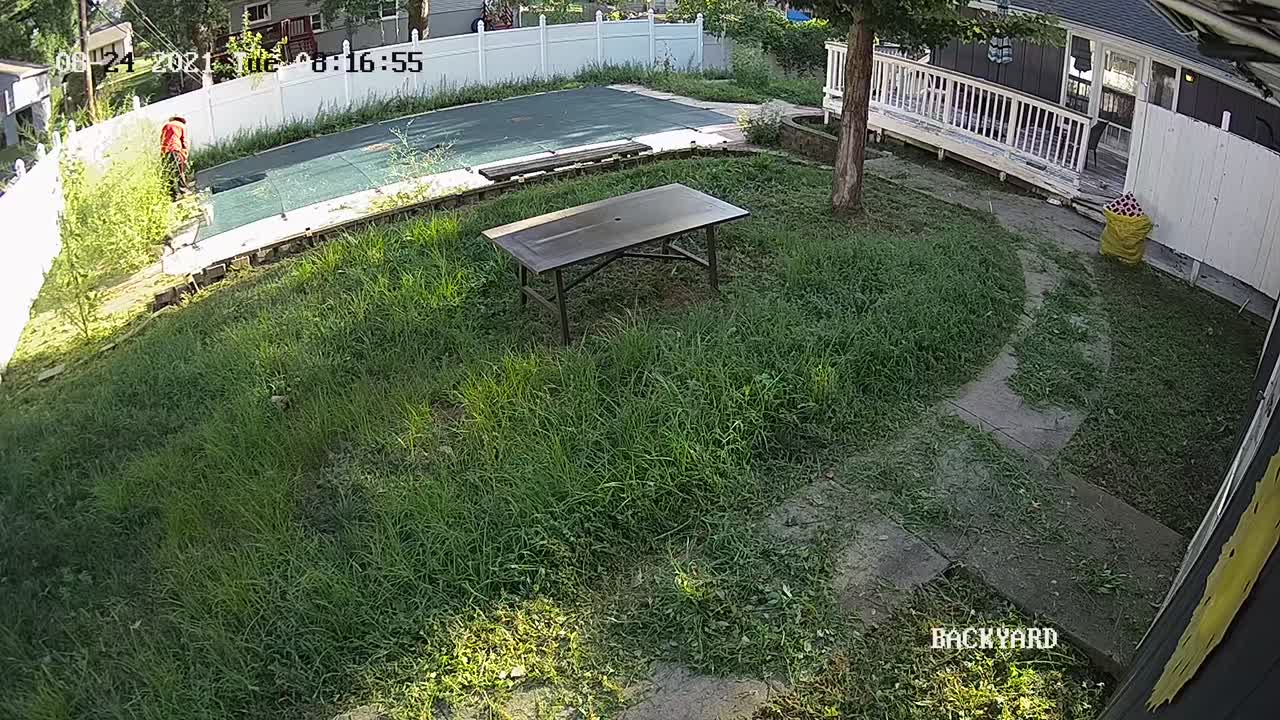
607,231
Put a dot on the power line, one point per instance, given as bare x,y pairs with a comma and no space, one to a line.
151,26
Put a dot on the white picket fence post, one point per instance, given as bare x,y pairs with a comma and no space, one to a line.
280,92
346,77
698,23
480,47
599,38
653,56
542,42
417,77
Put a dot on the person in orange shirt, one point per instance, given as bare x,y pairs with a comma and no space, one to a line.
175,145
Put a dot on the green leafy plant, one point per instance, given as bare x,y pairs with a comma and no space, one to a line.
751,67
113,220
800,47
762,125
414,170
251,58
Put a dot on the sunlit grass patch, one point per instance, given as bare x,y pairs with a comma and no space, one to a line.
892,672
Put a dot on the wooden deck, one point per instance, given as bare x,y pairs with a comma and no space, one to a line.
1104,176
1018,135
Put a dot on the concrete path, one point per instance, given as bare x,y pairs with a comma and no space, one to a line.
1089,562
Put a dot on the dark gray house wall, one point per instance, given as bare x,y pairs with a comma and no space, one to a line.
1035,70
1204,99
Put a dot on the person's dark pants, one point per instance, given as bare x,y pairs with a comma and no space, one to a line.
175,169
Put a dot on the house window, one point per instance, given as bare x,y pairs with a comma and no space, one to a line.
1119,89
386,10
1080,74
1164,84
258,12
317,23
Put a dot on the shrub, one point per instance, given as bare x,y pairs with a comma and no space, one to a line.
751,67
801,47
741,20
250,57
763,125
798,47
112,221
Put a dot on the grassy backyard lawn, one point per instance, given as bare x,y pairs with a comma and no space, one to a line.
367,475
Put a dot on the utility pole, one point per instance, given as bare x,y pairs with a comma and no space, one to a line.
88,67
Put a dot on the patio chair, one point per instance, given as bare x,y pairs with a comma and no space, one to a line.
1095,137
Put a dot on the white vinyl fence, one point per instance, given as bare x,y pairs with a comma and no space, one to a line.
29,241
1213,196
298,92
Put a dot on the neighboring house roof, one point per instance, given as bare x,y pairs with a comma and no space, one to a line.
1133,19
20,69
109,35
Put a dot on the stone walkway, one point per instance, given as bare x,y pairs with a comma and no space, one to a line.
1104,574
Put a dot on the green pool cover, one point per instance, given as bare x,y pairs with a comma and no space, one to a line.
332,166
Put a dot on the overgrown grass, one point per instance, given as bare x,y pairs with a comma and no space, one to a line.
114,220
892,673
286,498
1164,426
703,86
1057,363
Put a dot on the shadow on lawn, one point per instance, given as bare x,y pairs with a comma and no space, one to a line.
324,468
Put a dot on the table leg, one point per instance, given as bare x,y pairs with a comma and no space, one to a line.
564,313
713,270
524,282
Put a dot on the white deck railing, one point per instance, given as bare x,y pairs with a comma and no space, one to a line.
978,118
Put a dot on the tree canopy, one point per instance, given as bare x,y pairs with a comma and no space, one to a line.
183,24
930,23
37,30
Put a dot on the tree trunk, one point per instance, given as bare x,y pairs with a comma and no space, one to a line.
418,10
846,190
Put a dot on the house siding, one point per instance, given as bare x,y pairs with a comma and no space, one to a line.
1205,99
445,18
1035,70
119,48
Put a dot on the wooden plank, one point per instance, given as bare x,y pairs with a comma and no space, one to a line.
498,173
566,237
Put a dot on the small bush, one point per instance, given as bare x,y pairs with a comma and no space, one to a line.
751,67
763,125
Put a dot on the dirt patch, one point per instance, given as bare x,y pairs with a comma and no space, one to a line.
675,693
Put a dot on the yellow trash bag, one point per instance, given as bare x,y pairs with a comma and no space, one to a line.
1126,231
